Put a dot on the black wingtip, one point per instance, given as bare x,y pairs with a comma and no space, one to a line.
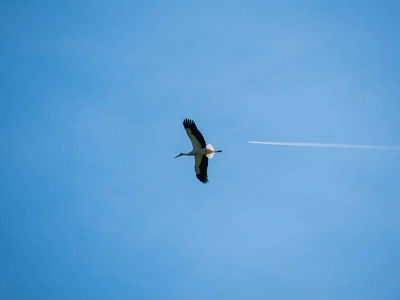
203,180
202,177
188,123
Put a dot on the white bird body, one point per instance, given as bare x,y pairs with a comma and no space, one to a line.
208,151
200,151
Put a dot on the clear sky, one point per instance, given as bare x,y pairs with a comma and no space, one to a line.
94,205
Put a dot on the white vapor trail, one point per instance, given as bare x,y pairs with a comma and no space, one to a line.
326,145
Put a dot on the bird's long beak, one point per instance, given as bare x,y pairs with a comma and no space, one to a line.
178,155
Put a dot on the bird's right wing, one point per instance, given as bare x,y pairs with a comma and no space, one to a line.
194,134
200,166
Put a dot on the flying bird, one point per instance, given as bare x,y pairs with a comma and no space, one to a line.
201,151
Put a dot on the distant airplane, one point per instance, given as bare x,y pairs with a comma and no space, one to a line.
200,151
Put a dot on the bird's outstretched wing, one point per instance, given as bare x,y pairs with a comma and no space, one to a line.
200,166
194,134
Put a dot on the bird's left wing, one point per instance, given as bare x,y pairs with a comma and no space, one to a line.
194,134
200,166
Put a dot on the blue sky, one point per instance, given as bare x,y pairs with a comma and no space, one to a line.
93,205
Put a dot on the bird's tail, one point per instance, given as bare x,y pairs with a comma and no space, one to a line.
210,147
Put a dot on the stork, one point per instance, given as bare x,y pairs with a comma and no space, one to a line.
200,151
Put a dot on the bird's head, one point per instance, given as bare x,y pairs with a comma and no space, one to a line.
179,155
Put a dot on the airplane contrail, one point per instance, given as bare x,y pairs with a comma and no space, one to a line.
326,145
